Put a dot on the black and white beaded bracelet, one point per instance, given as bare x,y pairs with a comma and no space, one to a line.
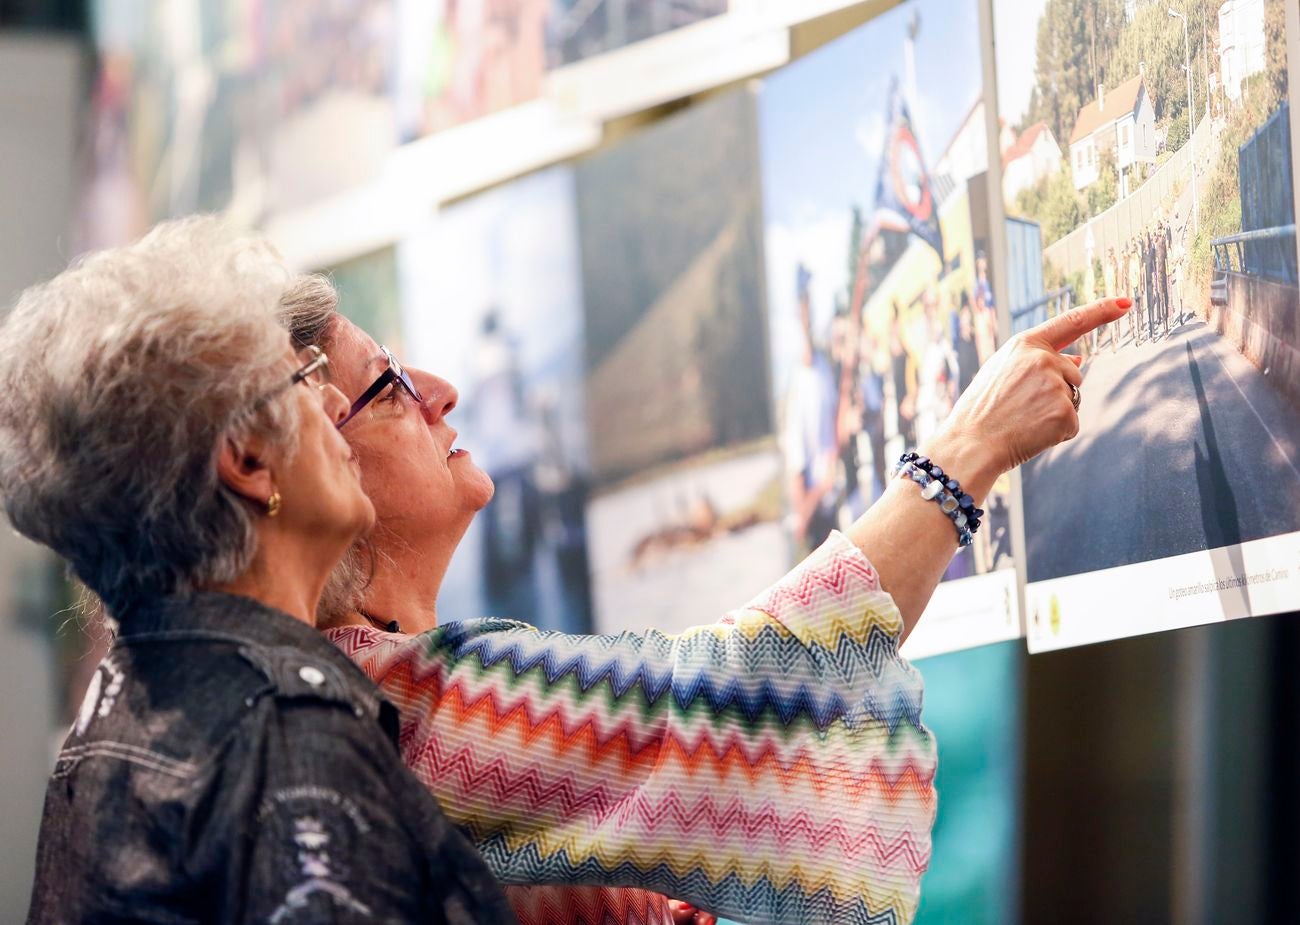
940,487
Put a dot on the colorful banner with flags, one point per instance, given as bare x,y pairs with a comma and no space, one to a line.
905,198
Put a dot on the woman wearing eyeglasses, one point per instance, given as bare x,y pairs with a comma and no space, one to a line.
771,767
159,432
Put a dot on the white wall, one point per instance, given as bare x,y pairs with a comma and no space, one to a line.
40,92
1241,43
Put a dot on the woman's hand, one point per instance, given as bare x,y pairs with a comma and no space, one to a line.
1017,406
1019,403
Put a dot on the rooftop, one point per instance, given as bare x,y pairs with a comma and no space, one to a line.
1119,101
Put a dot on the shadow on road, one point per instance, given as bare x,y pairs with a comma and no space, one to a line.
1219,514
1153,471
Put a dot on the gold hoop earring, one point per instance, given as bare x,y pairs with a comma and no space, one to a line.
273,505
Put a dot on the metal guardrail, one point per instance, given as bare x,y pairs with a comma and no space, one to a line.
1036,312
1261,252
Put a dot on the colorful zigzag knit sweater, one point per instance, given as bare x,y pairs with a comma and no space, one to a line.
771,768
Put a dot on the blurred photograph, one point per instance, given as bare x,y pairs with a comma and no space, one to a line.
1146,152
880,287
684,547
492,300
677,393
458,60
369,289
205,106
578,29
672,270
974,705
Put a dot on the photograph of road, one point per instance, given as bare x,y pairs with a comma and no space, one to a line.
1145,150
492,302
880,289
672,265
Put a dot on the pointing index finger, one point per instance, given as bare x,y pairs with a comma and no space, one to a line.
1063,330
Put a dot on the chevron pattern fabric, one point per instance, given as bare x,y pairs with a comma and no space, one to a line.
771,767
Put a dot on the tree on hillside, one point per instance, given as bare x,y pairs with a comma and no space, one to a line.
1155,39
1053,203
1082,43
1076,40
1274,80
1105,191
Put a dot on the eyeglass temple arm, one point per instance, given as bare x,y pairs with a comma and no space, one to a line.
375,388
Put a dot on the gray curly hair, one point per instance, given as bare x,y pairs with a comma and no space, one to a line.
119,379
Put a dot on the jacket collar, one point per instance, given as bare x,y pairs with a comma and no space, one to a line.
298,658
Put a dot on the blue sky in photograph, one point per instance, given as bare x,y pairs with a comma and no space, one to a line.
822,119
822,124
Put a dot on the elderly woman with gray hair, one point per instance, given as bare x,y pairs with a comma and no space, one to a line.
159,432
772,766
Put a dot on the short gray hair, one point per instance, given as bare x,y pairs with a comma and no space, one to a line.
308,310
119,379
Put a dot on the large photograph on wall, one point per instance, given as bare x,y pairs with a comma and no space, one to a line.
260,107
1146,153
685,519
880,289
492,302
459,60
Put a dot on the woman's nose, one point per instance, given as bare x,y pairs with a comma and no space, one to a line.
440,396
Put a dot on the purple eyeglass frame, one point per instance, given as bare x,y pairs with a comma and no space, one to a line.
394,373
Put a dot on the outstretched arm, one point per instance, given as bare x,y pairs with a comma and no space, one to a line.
1017,406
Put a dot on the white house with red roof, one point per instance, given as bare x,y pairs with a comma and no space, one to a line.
1122,121
1028,158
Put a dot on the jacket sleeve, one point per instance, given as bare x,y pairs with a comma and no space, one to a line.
771,767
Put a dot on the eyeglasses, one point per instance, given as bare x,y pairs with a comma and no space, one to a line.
393,374
316,371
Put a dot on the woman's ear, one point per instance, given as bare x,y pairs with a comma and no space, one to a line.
241,467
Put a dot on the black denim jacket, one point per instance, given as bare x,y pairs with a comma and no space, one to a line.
230,765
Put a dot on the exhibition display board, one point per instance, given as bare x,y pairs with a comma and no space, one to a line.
880,297
1125,174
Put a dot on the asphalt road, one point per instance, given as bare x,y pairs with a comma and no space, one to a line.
1184,445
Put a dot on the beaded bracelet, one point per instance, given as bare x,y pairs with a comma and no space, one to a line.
938,486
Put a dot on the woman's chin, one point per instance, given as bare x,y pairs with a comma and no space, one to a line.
475,486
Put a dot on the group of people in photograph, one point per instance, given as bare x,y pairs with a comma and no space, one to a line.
1151,269
858,388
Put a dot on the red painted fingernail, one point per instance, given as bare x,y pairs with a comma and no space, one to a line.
1124,303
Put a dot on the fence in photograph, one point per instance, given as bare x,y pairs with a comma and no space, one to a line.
1039,310
1121,222
1268,253
1264,168
1256,312
1024,263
